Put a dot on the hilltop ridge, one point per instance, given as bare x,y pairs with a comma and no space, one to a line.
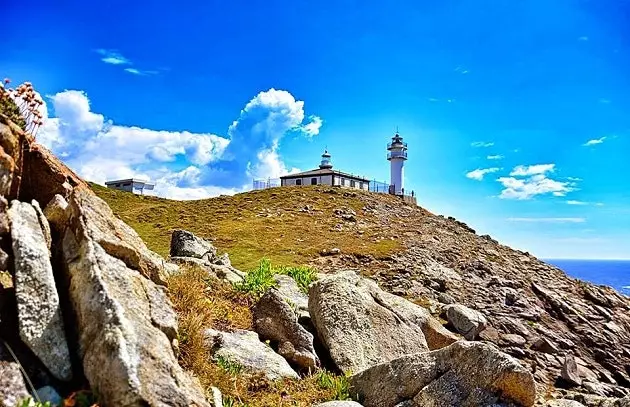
535,312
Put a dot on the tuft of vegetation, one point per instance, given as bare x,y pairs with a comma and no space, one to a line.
202,302
293,225
22,106
258,280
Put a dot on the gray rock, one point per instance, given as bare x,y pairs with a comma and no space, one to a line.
4,260
291,293
12,386
544,345
56,211
162,313
39,313
513,340
227,273
443,378
564,403
186,244
223,260
466,321
50,395
246,349
126,356
217,397
275,320
357,325
569,371
339,404
446,298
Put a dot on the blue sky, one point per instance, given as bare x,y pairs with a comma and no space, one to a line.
516,113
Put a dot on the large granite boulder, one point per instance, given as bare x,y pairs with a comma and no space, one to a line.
461,374
275,320
125,326
358,325
39,313
245,349
466,321
291,293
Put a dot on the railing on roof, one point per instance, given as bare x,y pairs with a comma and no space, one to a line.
266,183
396,144
396,154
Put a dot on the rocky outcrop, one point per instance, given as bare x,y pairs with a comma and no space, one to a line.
443,378
246,350
357,325
275,320
39,312
121,318
186,244
466,321
291,294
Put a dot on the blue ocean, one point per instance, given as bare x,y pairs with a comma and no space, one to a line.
615,273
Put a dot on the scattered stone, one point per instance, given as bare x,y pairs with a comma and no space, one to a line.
39,312
361,325
446,298
466,321
223,260
569,371
127,358
339,404
544,345
443,378
564,403
275,320
293,295
513,340
490,334
186,244
50,395
246,349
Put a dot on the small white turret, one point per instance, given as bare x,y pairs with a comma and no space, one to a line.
397,156
326,162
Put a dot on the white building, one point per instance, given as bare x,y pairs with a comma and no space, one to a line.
325,175
397,156
135,185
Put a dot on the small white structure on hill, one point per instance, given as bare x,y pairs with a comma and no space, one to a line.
397,156
325,175
135,185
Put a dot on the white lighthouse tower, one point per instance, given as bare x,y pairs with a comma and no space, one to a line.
397,156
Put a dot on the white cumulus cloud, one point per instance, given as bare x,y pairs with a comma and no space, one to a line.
594,142
524,170
184,165
479,173
528,181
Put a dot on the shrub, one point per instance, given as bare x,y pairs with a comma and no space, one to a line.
260,279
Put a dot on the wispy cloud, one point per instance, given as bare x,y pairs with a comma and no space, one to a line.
525,170
113,57
604,101
481,144
595,141
548,220
583,38
479,173
528,181
461,70
135,71
573,202
495,157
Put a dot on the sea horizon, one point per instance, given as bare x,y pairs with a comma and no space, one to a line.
611,272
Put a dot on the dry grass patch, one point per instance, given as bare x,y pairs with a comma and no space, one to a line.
204,302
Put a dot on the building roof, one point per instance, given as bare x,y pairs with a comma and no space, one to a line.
134,180
324,171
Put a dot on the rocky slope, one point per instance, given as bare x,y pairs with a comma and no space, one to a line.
456,319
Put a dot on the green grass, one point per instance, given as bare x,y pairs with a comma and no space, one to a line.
339,385
259,224
230,366
258,280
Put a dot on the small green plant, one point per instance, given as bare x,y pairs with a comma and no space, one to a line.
230,366
258,280
339,384
29,402
302,275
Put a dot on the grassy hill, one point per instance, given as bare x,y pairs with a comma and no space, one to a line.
289,225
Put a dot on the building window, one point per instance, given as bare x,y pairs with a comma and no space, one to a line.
361,185
298,182
352,184
313,181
